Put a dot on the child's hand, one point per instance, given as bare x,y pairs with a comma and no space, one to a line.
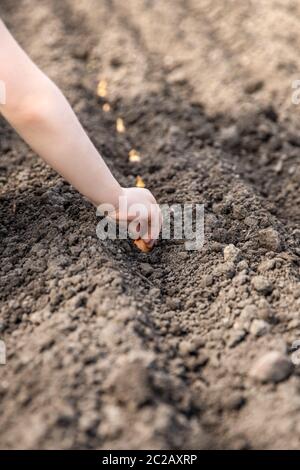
140,205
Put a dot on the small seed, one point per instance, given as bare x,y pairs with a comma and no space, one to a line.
139,183
102,88
106,107
142,246
134,156
120,126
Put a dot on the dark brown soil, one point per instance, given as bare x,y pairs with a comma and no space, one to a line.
111,348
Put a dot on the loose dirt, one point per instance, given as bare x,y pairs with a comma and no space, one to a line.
108,347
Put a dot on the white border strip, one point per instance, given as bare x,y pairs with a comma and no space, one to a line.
2,93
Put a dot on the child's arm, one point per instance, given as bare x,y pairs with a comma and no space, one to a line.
39,112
